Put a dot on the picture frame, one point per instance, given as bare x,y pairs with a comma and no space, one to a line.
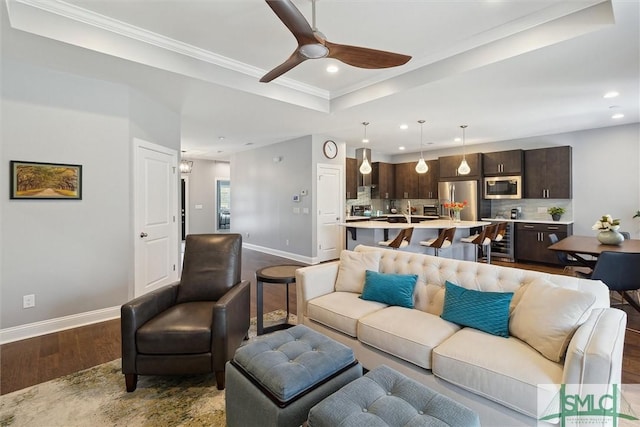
45,181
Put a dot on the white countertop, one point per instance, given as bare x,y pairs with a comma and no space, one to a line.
432,224
534,221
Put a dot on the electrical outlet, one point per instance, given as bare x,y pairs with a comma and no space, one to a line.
286,242
542,210
29,301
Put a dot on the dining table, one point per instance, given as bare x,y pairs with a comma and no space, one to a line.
581,246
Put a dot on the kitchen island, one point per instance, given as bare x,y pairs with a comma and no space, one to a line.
371,232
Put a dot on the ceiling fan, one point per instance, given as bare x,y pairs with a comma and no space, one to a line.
312,44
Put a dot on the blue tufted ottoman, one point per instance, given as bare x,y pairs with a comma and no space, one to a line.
385,397
276,379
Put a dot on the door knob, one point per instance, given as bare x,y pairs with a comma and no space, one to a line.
143,235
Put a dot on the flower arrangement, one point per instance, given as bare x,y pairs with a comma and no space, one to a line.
606,223
456,206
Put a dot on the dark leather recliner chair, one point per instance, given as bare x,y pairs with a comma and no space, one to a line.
193,326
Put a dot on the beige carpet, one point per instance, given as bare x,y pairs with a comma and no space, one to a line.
96,397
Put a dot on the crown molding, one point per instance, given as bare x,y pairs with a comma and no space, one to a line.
123,29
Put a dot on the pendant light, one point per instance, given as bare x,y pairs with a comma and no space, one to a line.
464,168
422,166
186,166
365,167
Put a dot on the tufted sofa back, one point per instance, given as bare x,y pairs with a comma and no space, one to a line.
434,271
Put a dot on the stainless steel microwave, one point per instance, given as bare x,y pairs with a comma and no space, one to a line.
503,187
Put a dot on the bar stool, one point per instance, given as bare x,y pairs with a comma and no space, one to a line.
443,241
502,230
402,240
482,240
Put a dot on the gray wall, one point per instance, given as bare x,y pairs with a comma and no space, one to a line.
263,183
75,256
203,192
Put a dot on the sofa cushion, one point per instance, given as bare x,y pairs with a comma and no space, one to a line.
506,371
341,310
547,316
487,311
352,267
387,330
392,289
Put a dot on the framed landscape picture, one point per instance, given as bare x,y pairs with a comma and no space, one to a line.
34,180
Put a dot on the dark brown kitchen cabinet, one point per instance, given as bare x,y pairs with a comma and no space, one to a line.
449,167
547,173
532,241
428,182
503,163
351,178
407,182
382,180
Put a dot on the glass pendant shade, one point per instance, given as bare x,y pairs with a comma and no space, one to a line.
365,167
464,168
422,167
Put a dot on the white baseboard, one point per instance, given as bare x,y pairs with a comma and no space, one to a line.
31,330
288,255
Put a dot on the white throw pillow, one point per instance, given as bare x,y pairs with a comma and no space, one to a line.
547,316
352,268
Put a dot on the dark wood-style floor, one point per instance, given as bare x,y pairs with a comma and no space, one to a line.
35,360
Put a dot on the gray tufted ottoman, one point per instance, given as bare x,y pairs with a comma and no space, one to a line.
276,379
385,397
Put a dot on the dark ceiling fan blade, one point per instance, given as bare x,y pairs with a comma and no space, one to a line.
292,61
294,20
363,57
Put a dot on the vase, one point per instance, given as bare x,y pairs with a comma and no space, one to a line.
556,217
456,216
610,237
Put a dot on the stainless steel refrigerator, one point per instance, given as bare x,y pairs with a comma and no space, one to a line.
460,191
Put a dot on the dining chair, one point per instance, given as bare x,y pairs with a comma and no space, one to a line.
443,241
620,271
574,266
402,240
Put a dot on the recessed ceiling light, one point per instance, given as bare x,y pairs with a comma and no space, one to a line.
457,139
611,94
221,138
404,126
332,69
401,148
248,143
617,116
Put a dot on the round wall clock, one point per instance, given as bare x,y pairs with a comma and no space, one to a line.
330,149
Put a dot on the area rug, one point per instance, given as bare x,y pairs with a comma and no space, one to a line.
96,397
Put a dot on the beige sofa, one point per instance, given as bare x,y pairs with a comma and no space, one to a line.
549,316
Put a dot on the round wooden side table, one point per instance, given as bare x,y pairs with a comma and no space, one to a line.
284,274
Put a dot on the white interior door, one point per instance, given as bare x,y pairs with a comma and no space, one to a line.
330,191
156,226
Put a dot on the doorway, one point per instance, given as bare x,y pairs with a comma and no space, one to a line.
330,189
155,207
184,196
223,204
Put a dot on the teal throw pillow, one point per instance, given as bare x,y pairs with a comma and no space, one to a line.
392,289
486,311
